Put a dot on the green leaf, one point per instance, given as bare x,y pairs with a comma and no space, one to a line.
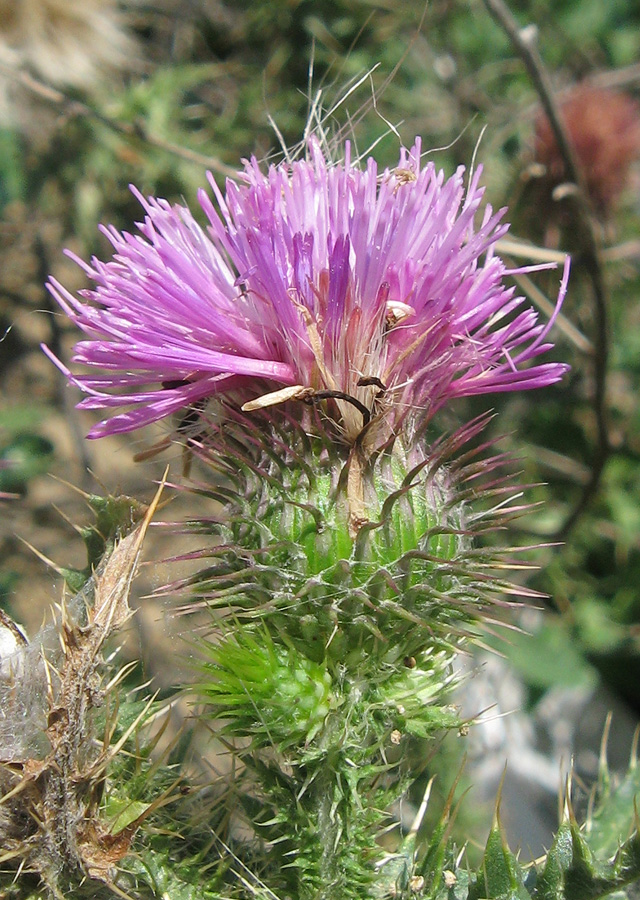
549,658
613,820
115,516
26,455
123,812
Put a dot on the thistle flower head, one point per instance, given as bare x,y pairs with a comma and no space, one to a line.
377,294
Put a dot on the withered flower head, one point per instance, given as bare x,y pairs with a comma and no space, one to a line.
68,43
604,128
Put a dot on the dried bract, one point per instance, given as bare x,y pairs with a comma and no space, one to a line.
52,772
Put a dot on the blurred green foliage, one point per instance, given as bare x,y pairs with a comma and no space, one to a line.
23,456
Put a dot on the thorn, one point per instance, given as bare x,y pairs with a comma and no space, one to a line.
153,450
73,487
449,801
561,806
590,807
419,816
568,802
603,767
48,668
151,510
45,559
77,528
496,812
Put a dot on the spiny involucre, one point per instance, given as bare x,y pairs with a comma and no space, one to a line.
377,291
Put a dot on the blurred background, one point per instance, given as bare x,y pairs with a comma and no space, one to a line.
96,94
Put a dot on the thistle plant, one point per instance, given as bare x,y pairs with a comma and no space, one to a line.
307,339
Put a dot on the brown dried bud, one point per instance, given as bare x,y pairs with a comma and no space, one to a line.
604,129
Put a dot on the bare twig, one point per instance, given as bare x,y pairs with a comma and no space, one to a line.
132,131
628,76
622,252
510,247
590,257
563,324
524,250
542,83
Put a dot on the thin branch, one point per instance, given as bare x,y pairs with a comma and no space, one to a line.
590,256
563,324
629,250
524,250
601,343
132,131
535,67
628,76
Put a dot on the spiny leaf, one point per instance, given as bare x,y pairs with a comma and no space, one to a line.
613,818
115,517
500,877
